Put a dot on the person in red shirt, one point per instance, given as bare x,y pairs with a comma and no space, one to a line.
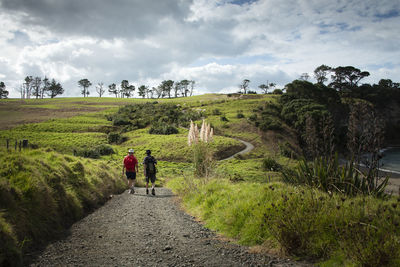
131,167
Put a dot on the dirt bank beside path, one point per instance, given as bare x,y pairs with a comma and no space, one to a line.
141,230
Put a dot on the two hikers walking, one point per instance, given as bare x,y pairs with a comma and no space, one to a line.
130,167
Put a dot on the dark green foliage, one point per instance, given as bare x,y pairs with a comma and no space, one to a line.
267,117
115,138
277,92
120,119
140,116
270,164
105,149
163,128
240,114
296,111
287,150
223,118
270,124
216,112
95,152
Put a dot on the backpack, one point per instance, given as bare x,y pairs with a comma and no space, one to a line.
151,166
129,163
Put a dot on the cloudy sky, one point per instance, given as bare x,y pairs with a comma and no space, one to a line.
216,43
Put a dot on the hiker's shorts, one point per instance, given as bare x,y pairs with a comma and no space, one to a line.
151,177
131,175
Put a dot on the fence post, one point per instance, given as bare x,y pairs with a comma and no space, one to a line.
8,144
16,144
20,145
25,143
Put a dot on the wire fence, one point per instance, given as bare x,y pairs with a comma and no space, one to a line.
17,145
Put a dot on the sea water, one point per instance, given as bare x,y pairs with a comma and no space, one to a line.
391,159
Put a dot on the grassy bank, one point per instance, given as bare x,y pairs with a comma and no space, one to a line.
43,192
302,222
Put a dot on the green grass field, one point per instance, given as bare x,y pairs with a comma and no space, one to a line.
47,187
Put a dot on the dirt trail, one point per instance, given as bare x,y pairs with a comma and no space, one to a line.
145,230
249,147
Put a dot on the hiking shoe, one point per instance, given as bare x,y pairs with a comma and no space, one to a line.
132,191
147,191
153,192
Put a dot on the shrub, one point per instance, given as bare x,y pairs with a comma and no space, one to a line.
163,128
287,150
269,164
119,120
216,112
240,115
94,152
277,92
115,138
223,118
105,150
270,124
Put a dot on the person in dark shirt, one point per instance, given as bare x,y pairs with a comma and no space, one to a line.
149,164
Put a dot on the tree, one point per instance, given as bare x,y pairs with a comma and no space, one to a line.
244,85
184,87
3,91
266,87
142,90
45,87
177,88
346,77
158,91
166,87
112,89
321,72
54,89
27,87
127,89
99,89
304,76
36,86
191,86
85,84
387,83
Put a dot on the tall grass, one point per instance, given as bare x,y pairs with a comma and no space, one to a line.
43,192
299,221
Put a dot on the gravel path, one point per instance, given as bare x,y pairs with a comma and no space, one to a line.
249,147
145,230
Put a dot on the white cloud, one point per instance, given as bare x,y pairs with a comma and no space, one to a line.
214,42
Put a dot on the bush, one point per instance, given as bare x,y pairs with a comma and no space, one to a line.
119,120
105,150
240,114
223,118
269,164
95,152
115,138
216,112
277,92
269,124
287,150
163,128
